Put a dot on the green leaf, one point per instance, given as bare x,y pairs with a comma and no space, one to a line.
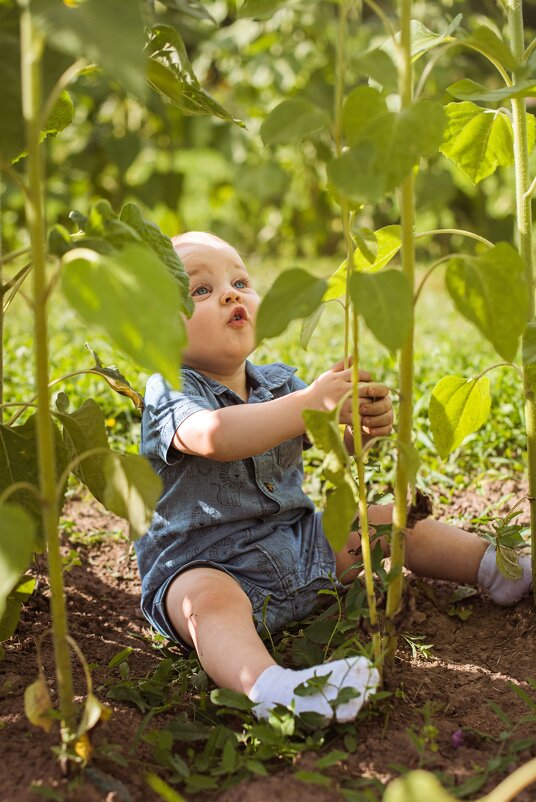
378,66
339,514
367,245
331,759
294,294
385,148
259,9
458,407
16,548
508,562
132,490
184,91
103,223
466,89
164,791
93,712
18,596
312,777
228,698
323,430
362,105
37,703
478,140
115,379
18,447
309,325
90,29
12,132
490,290
485,40
132,298
417,786
84,430
191,8
291,121
388,241
386,303
423,39
163,248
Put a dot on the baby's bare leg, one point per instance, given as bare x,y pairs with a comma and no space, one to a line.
433,549
209,610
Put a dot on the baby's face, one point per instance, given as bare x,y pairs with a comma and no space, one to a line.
221,331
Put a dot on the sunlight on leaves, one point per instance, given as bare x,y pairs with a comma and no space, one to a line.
388,241
457,408
478,140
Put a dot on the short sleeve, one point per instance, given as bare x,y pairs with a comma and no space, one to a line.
164,411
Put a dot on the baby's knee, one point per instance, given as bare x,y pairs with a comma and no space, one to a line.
205,591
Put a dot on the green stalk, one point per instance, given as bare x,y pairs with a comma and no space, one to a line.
524,244
1,311
31,51
358,445
407,200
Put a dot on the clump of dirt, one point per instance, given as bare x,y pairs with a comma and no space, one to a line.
457,668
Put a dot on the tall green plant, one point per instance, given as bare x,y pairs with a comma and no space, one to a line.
120,273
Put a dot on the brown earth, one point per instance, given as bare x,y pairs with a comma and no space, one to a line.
473,665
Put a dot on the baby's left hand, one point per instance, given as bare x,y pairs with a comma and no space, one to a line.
376,409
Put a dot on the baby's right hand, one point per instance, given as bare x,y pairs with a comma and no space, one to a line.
327,390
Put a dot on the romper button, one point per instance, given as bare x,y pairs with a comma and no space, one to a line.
269,486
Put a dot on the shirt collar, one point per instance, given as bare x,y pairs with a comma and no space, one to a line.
262,379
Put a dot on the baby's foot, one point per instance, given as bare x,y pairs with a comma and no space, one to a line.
277,685
502,590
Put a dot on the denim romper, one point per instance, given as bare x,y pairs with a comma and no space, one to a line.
249,518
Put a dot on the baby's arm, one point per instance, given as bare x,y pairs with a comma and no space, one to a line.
238,432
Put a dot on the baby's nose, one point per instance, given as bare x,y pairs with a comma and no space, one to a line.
230,295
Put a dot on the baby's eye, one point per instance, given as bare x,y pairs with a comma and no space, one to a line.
201,290
241,283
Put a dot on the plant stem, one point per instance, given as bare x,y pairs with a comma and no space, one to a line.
358,446
524,243
31,52
363,510
510,787
394,593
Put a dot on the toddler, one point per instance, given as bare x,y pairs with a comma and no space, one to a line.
233,527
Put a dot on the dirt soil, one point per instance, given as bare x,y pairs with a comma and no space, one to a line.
472,666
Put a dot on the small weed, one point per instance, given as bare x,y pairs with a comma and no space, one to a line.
418,648
425,738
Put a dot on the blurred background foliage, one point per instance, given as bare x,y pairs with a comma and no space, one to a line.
199,172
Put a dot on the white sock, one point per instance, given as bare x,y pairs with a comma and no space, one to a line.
502,590
276,685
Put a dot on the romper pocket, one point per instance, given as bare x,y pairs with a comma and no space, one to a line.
289,453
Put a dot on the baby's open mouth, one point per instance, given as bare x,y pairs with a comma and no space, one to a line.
239,313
